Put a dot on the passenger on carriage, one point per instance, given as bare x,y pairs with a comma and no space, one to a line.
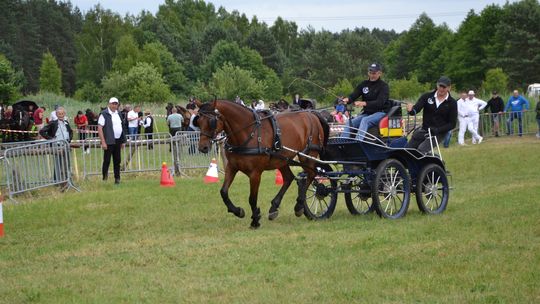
440,115
8,113
375,94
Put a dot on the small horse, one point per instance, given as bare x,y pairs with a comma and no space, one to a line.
258,141
186,115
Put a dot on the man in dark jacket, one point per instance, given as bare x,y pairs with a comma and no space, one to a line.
496,107
374,93
59,130
112,136
440,115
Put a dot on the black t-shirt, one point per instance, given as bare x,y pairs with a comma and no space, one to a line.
374,93
495,105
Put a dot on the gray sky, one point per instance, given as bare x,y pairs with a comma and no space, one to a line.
330,15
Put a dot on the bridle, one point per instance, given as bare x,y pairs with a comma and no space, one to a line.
213,117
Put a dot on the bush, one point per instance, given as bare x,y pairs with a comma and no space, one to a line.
407,88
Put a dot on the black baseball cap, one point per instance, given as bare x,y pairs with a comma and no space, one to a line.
445,81
374,67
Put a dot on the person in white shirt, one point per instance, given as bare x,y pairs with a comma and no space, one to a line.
112,137
476,105
465,113
133,121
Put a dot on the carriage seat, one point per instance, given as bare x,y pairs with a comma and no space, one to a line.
391,125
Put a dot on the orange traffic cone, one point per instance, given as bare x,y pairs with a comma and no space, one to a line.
279,178
212,173
166,178
1,218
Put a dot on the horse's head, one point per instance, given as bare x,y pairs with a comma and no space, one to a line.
210,125
186,115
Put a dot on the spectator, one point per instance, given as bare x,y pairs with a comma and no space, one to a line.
112,136
517,104
496,107
239,101
374,93
38,118
174,121
53,116
140,115
440,115
296,100
466,110
193,110
59,129
81,122
148,124
8,113
133,121
476,106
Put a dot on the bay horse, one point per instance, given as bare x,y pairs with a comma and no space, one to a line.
258,141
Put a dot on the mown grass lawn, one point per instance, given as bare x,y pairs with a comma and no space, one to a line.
138,242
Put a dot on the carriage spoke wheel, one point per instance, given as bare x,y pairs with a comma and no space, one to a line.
359,200
321,197
432,189
391,189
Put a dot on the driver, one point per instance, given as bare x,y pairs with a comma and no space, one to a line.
374,93
440,115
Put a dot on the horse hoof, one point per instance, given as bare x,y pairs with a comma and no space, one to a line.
240,213
255,226
299,213
273,215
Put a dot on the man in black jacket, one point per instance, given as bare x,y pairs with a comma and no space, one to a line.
59,129
374,93
112,136
440,115
496,107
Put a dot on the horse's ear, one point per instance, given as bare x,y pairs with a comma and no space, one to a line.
198,103
214,103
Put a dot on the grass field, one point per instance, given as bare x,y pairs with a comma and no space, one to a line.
138,242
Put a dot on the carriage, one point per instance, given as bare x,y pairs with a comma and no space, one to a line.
378,174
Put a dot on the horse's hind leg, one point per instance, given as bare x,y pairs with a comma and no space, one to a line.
254,182
303,185
288,177
229,177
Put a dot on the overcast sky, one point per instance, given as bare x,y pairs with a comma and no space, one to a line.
330,15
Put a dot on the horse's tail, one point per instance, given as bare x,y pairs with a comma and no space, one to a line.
325,126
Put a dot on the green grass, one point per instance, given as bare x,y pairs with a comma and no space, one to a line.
138,242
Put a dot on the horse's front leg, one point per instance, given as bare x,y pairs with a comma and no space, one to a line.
230,173
254,183
288,177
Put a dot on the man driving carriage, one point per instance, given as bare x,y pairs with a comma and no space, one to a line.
375,93
440,115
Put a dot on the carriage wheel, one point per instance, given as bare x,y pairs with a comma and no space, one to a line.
321,197
432,189
391,189
359,200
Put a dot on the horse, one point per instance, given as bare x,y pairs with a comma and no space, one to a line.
186,115
258,141
19,121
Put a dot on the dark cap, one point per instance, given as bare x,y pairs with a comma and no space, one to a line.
445,81
374,67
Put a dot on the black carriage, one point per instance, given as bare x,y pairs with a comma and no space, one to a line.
378,173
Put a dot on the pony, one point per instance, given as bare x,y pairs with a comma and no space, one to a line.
258,141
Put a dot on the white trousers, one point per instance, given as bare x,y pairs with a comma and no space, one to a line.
475,118
464,124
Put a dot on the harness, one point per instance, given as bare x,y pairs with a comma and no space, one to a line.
258,118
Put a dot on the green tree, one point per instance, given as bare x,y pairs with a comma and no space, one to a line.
127,54
89,91
496,80
50,75
173,72
407,88
229,81
10,81
262,40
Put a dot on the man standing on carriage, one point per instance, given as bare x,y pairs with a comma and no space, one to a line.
374,93
440,115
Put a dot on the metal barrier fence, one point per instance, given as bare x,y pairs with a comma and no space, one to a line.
187,155
37,165
508,123
142,153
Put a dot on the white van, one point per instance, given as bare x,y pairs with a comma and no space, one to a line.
533,90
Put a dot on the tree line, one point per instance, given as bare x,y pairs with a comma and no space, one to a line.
192,48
